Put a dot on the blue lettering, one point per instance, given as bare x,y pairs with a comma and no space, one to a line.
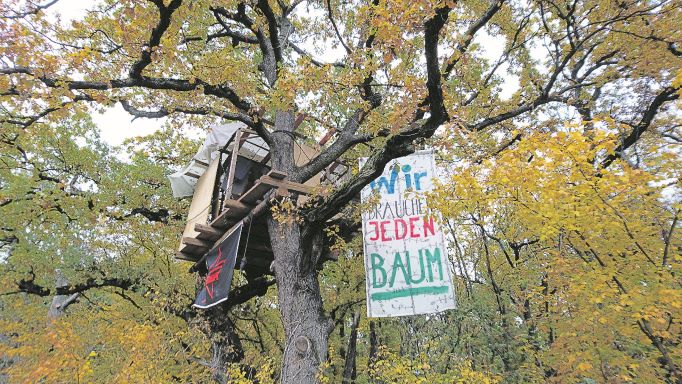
389,184
390,187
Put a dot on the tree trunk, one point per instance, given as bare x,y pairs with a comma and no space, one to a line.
306,327
297,250
349,369
60,302
373,346
226,347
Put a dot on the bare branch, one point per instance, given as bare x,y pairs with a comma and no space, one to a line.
27,121
30,287
236,36
400,144
668,94
336,28
469,36
163,112
31,11
667,237
500,149
318,63
180,85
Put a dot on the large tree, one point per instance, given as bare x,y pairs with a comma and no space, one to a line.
381,76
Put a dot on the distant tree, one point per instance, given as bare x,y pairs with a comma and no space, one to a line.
381,76
582,259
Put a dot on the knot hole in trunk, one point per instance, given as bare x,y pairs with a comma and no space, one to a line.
303,345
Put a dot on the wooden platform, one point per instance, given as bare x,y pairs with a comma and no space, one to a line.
219,203
255,242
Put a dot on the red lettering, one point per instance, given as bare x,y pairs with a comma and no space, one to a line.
214,273
403,224
429,225
376,231
383,231
412,227
402,228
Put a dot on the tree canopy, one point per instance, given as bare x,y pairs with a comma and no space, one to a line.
556,122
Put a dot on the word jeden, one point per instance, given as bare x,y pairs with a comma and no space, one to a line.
399,229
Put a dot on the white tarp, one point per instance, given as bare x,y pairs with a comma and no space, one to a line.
406,261
184,181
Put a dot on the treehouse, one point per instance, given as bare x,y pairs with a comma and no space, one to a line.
228,178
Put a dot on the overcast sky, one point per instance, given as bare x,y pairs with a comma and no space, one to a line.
116,124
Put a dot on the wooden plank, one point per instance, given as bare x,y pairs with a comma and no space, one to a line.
277,174
231,216
206,232
238,209
296,187
186,256
197,242
193,250
228,218
233,163
223,222
215,206
250,131
330,133
238,205
201,201
216,244
245,137
255,193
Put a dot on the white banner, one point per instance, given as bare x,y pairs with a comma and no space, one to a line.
407,267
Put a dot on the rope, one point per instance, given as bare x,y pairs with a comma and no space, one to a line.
246,246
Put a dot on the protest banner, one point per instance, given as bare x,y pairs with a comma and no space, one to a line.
406,261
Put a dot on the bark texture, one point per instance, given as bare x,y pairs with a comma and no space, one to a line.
306,327
349,369
60,300
297,250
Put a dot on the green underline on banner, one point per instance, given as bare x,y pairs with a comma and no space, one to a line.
409,292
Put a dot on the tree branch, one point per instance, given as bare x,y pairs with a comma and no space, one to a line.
163,112
400,144
165,14
463,46
273,29
30,287
33,11
269,67
336,28
179,85
668,94
236,36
